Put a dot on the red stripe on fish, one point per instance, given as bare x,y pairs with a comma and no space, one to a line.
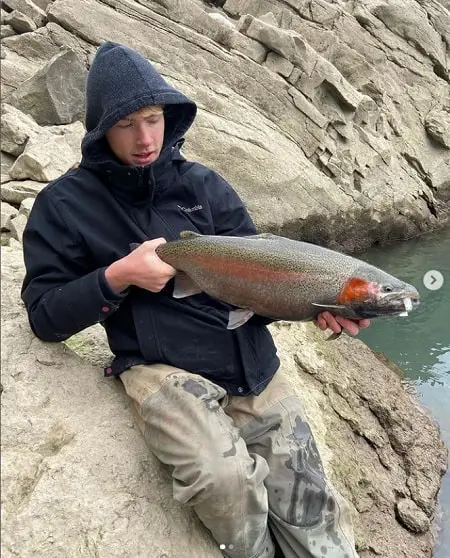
355,289
244,269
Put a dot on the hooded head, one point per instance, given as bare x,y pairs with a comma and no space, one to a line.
120,83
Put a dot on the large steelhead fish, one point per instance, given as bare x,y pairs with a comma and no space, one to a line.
282,279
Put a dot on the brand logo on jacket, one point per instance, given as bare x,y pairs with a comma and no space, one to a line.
190,209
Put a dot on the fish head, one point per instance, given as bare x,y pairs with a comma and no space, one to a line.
371,294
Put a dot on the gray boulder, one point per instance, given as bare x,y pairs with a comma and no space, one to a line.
8,30
43,4
20,22
17,225
55,94
28,9
46,157
6,162
17,128
17,191
26,206
411,516
437,124
8,212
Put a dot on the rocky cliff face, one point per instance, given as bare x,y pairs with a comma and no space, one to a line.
331,119
335,114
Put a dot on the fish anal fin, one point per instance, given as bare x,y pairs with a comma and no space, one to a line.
239,317
184,286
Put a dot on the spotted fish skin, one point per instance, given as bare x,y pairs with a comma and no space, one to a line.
285,279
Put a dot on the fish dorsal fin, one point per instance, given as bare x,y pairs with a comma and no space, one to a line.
184,235
263,236
184,286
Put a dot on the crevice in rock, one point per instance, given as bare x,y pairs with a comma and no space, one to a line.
28,486
440,71
414,163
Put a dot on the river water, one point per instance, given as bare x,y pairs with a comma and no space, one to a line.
420,343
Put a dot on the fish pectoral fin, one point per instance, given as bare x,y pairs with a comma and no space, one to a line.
184,286
189,234
237,318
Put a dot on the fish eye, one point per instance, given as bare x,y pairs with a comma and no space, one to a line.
387,289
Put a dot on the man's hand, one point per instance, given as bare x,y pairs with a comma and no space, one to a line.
142,268
326,320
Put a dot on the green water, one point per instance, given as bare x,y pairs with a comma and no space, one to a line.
420,343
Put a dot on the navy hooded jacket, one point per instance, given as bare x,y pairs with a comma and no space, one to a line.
93,215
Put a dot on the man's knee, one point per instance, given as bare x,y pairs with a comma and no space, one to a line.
225,480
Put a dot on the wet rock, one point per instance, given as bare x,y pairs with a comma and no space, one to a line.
17,191
19,23
55,94
350,412
412,517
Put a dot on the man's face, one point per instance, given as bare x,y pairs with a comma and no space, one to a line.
137,139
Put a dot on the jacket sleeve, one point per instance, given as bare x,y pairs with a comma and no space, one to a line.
231,218
62,292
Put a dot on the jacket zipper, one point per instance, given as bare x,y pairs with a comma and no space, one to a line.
166,224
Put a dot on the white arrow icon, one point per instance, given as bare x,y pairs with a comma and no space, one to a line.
433,280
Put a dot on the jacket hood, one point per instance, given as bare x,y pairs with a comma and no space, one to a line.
120,82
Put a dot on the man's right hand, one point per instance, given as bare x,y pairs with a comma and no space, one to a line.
142,268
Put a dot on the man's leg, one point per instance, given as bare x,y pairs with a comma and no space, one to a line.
185,426
306,515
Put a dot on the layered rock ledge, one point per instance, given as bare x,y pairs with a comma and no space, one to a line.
334,114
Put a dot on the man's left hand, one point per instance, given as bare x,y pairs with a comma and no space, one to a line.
326,320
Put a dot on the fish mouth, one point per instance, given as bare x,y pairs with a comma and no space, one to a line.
392,304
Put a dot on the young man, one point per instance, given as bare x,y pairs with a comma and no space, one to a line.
209,401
